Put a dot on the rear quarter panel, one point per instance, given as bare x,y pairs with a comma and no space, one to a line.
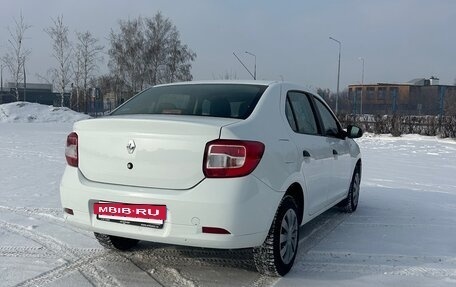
266,125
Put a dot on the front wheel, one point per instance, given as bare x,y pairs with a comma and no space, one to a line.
350,203
276,255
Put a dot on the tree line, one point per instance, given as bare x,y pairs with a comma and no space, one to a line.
141,52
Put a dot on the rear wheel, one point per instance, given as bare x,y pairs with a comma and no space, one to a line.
350,203
115,242
276,255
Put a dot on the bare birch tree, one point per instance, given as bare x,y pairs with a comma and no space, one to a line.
17,54
87,57
126,53
178,60
148,52
168,59
157,37
61,51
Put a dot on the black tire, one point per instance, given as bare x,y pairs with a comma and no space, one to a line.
350,204
268,258
114,242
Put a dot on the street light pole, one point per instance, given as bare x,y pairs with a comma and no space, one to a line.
338,74
254,70
25,80
362,84
245,67
1,77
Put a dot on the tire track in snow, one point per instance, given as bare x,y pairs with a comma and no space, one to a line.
170,258
182,260
34,252
41,252
264,280
369,269
385,264
96,275
323,256
48,242
51,215
199,256
320,232
438,273
180,280
139,266
164,264
79,259
402,225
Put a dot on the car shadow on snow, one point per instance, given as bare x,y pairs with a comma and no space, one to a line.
181,257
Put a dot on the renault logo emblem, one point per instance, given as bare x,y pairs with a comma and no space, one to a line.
131,146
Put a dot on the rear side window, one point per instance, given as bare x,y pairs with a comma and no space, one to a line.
302,119
215,100
290,116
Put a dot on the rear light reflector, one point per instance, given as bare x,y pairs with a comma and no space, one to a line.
231,158
215,230
71,150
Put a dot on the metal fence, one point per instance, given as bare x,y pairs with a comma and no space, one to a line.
443,126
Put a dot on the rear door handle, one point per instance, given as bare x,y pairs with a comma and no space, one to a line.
335,152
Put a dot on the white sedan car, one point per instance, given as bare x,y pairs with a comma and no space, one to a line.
226,164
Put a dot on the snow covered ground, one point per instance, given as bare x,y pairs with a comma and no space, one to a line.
403,233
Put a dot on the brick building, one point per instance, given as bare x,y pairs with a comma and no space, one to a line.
416,97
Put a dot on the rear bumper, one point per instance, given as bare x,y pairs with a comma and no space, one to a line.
243,206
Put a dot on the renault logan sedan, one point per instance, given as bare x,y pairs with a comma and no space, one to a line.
212,164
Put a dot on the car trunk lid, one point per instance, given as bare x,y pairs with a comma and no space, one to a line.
157,151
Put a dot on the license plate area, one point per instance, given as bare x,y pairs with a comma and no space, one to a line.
145,215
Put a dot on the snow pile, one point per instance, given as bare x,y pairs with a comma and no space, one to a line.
24,112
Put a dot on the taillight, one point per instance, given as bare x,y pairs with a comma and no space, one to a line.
231,158
71,150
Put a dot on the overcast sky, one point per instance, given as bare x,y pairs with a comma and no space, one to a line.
399,39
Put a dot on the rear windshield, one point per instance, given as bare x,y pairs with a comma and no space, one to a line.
214,100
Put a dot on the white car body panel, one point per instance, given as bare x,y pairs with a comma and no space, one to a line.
234,207
341,165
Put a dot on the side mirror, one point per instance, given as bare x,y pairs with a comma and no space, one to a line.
354,132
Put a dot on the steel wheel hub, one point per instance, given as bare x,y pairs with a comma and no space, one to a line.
288,236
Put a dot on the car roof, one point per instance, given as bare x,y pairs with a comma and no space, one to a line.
242,82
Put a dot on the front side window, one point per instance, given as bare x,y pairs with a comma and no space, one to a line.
303,115
215,100
330,126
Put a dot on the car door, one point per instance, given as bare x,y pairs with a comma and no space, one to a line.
313,149
340,168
